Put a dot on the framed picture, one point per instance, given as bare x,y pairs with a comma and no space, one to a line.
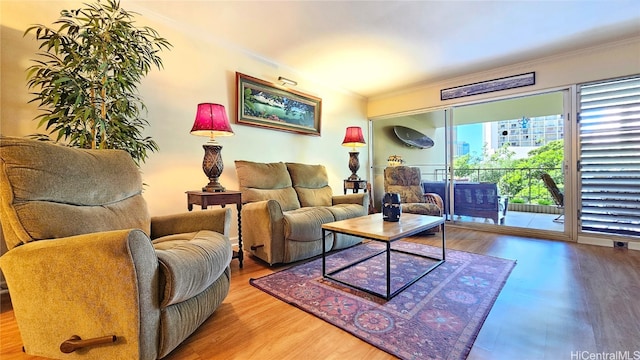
504,83
263,104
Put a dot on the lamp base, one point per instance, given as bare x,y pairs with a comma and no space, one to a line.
214,188
212,166
354,165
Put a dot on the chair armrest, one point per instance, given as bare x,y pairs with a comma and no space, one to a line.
217,220
263,229
433,198
90,285
358,199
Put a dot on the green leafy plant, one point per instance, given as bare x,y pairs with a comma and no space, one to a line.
87,75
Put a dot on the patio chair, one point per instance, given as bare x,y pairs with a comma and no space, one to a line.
556,194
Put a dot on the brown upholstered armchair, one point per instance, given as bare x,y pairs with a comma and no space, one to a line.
81,266
407,182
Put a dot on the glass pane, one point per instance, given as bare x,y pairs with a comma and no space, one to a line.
501,151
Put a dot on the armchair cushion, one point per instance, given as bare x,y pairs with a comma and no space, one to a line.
266,181
422,209
190,263
217,220
405,181
110,199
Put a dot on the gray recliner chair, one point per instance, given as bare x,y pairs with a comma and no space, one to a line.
90,274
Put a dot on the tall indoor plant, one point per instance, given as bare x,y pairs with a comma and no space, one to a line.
87,75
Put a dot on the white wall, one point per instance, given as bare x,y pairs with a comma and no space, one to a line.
197,69
615,59
385,143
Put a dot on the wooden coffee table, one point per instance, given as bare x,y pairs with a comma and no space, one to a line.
372,227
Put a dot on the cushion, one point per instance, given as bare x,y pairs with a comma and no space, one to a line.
405,181
421,209
308,176
52,191
347,211
286,197
408,194
311,184
402,175
314,197
190,263
305,224
266,181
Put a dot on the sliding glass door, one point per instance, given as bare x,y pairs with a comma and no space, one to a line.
508,162
564,164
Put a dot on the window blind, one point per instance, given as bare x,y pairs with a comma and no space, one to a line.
609,133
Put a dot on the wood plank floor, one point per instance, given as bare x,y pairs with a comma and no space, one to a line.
561,299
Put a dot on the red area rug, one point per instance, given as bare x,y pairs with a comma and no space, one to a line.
438,317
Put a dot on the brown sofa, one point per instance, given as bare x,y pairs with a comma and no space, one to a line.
285,207
82,262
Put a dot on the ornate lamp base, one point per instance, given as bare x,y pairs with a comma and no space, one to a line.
354,165
212,166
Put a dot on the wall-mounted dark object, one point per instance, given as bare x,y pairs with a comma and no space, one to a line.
482,87
413,137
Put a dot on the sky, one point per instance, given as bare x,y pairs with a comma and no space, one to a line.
472,134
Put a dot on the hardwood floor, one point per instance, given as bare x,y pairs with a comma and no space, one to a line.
561,299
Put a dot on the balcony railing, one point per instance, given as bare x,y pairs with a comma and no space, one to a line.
520,185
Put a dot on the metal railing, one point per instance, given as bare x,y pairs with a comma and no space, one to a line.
521,185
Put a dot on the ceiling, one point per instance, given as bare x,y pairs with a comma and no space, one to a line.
371,48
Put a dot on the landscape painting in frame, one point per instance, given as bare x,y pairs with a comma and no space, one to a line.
504,83
263,104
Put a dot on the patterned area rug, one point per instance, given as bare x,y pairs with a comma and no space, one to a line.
438,317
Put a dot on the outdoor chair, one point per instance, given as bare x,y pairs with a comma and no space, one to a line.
556,194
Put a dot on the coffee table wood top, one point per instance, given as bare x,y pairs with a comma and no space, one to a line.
373,227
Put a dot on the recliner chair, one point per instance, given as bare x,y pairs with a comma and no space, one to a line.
85,279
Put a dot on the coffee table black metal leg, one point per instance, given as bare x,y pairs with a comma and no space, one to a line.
324,243
388,270
443,241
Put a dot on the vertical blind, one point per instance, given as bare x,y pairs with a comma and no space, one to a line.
609,132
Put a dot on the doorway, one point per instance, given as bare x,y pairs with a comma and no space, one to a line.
508,162
488,154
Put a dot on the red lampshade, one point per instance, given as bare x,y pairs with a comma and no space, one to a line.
211,120
353,137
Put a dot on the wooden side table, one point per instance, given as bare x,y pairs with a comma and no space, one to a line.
206,199
355,185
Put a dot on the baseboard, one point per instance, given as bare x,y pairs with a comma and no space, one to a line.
623,243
